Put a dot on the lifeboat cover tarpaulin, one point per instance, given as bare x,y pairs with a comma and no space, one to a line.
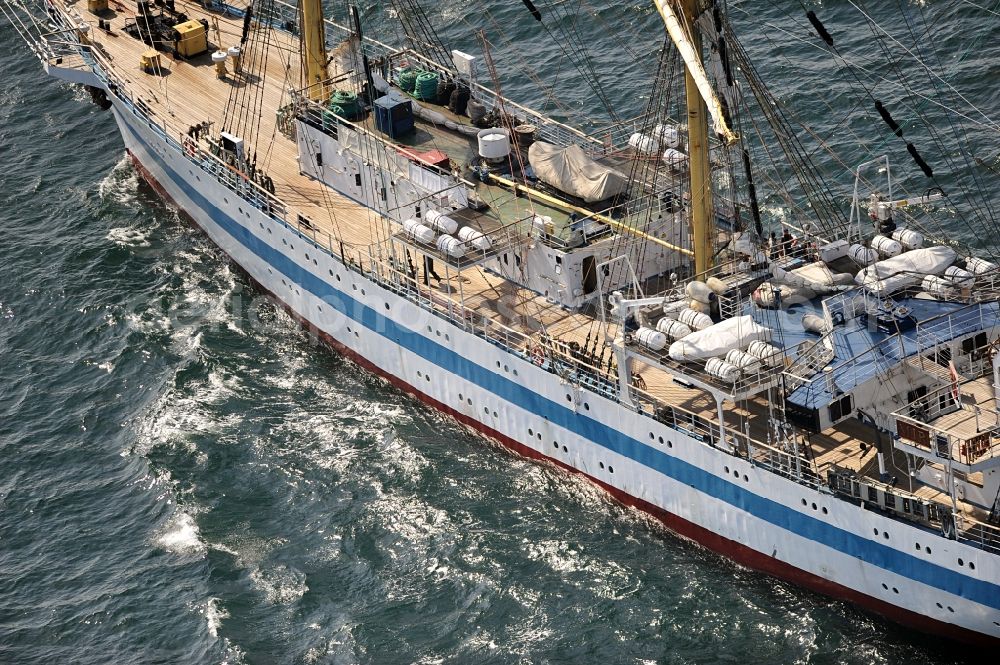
571,171
716,340
906,269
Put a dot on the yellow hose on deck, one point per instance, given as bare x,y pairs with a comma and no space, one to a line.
551,200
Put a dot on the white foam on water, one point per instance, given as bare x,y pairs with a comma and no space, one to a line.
280,585
121,185
129,237
338,644
181,535
214,615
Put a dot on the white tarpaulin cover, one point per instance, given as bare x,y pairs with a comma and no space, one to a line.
571,171
907,269
734,333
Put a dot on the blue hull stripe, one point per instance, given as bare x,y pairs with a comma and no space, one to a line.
849,543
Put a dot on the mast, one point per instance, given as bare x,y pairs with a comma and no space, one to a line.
313,45
701,102
702,220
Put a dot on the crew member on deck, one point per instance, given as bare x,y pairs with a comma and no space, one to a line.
786,242
429,271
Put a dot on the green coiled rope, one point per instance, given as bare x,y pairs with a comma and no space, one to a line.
407,79
426,86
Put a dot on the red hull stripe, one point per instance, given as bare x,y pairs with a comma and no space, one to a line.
729,548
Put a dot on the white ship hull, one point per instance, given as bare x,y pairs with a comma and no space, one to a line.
757,518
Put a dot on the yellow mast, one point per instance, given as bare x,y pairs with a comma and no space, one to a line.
679,19
313,46
702,217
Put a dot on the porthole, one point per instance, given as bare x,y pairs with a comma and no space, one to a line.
338,278
601,464
269,231
486,410
284,242
961,563
539,435
652,437
420,374
951,609
387,307
940,606
315,262
306,255
448,339
727,470
428,377
746,478
814,506
825,511
291,247
804,502
505,368
736,474
565,449
555,444
895,590
927,549
469,400
586,405
918,547
437,332
331,272
241,212
515,371
498,364
875,530
885,586
660,439
354,286
362,292
569,398
531,432
670,444
972,566
261,224
611,469
495,415
429,329
885,534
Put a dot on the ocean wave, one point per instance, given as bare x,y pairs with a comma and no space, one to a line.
181,535
121,184
280,585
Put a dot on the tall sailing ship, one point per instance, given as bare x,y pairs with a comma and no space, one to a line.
818,404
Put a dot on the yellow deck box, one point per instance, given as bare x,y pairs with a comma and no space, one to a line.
192,39
149,62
